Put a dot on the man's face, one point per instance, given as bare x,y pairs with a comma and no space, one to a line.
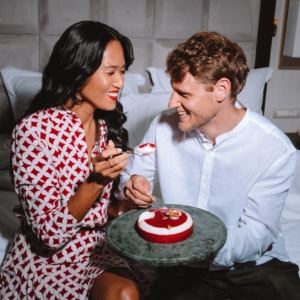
195,105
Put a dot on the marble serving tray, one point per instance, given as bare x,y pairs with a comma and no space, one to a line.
208,237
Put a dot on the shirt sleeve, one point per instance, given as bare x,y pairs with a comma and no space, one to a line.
137,165
257,227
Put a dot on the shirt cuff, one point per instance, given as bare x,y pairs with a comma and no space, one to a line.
120,193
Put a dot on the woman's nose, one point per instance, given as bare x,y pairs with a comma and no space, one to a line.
119,81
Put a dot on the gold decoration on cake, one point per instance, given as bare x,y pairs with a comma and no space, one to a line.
174,214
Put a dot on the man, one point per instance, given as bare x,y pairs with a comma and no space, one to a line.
216,154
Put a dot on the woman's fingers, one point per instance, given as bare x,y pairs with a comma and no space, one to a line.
112,166
118,162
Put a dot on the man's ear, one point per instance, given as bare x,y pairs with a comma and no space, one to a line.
222,89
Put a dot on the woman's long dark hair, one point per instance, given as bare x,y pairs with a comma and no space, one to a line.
75,58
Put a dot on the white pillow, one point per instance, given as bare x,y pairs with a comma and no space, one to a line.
253,92
132,82
251,95
22,86
160,80
140,110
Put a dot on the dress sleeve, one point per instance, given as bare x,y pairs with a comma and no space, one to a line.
37,185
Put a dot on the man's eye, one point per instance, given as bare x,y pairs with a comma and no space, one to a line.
183,95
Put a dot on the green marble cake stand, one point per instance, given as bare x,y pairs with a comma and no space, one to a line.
207,239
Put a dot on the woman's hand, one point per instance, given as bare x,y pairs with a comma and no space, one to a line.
137,190
108,164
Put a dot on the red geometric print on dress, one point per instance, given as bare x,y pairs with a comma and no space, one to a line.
41,157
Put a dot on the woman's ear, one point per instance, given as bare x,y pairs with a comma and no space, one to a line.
222,89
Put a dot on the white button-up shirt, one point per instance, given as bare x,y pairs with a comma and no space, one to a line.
243,179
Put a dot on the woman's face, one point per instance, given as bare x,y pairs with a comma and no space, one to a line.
102,89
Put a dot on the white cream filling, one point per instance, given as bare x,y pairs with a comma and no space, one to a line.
144,150
146,215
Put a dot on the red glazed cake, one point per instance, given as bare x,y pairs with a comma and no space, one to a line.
164,225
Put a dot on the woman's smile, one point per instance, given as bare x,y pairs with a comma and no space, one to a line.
113,95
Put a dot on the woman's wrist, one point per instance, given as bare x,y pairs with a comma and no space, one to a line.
98,178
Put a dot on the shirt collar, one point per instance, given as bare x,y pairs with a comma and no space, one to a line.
224,136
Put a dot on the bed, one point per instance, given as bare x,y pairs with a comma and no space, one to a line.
21,85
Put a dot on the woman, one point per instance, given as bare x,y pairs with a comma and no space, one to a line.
66,156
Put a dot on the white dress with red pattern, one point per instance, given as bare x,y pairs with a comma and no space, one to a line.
50,161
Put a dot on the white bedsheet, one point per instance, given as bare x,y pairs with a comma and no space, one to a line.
290,224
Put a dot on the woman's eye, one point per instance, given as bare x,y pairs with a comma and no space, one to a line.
112,73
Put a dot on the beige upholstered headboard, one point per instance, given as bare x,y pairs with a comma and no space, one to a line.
28,33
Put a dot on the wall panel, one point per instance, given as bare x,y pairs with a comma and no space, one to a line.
19,17
56,15
29,28
19,50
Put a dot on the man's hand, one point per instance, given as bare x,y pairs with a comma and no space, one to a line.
137,190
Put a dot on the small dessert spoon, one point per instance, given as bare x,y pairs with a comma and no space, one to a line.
137,151
134,153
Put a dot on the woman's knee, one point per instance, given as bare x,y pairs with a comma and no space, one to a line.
112,286
129,291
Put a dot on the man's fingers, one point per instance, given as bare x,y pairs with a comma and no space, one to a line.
141,199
